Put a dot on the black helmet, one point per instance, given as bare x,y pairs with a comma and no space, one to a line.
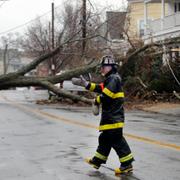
108,60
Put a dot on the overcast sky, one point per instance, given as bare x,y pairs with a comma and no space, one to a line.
14,13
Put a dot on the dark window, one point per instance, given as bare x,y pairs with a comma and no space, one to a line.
176,7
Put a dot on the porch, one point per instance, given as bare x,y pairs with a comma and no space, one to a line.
168,26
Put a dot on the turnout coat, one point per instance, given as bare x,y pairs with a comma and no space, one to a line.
111,96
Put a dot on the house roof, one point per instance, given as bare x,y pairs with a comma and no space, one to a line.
115,24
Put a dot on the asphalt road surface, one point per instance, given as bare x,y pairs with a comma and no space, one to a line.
50,142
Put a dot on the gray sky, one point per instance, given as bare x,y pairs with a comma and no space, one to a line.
15,13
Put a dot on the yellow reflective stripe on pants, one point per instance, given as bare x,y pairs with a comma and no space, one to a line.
100,156
98,99
111,126
126,158
113,95
92,87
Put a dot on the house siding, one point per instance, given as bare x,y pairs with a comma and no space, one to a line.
136,13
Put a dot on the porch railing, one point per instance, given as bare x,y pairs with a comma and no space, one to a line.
168,23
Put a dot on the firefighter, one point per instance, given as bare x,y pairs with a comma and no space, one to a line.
111,98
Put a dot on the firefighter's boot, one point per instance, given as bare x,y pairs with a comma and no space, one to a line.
93,163
124,170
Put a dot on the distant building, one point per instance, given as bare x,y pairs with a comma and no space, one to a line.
115,25
17,63
1,67
1,62
15,60
115,31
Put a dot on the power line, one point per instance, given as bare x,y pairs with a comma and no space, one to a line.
91,4
3,1
19,26
2,4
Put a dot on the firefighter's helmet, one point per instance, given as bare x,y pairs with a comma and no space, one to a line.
108,60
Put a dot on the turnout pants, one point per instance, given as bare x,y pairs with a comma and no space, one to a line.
113,139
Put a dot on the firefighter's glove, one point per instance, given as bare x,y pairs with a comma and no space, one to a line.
96,106
80,81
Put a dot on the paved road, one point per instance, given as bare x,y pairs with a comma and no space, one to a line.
50,143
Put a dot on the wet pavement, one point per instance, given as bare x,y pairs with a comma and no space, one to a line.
51,142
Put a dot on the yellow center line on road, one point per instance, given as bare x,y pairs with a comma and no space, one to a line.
152,141
70,121
52,116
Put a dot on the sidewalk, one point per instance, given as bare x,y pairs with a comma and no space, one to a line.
163,108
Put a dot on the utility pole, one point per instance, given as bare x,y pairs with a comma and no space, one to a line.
83,27
53,60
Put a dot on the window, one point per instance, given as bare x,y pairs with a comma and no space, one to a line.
177,7
142,28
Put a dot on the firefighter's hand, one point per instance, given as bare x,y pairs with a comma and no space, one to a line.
96,106
95,109
80,81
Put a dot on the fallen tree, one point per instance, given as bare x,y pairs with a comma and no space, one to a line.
48,82
17,79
